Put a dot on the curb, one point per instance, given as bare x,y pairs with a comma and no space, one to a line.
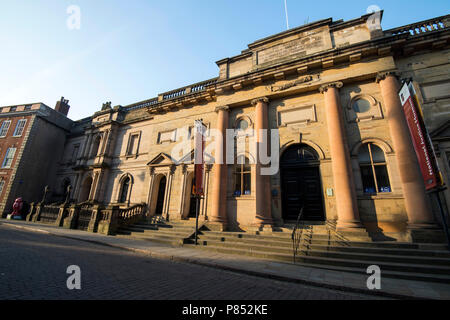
175,258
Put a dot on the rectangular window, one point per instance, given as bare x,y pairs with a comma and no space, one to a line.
76,148
9,158
19,127
4,128
133,144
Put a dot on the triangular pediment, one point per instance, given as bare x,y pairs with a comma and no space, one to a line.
161,160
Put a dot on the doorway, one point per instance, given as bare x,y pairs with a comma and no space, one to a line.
86,189
300,184
161,196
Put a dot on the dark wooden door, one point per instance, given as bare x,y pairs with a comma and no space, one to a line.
301,188
161,195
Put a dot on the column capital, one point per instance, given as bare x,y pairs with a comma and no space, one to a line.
260,99
382,75
324,88
222,108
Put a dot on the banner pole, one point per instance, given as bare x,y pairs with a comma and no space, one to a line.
197,205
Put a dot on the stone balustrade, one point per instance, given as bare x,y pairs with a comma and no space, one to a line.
87,216
422,27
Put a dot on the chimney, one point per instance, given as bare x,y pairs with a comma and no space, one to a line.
62,106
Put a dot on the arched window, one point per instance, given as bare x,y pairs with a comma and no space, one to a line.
242,176
124,190
374,172
242,124
95,147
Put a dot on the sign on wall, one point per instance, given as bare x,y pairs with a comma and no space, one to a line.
420,137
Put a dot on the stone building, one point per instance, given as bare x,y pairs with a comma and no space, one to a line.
331,90
32,138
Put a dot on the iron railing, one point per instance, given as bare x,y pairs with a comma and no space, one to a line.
84,217
49,214
297,235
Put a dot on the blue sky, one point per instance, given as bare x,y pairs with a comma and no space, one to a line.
128,51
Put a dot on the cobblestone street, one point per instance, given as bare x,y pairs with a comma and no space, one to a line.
33,266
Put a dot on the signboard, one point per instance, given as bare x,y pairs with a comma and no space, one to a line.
420,137
199,163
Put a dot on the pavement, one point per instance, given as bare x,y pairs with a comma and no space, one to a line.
344,282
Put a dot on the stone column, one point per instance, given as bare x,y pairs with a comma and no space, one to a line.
417,205
219,189
344,185
262,182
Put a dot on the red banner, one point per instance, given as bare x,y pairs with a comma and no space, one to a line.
421,141
199,163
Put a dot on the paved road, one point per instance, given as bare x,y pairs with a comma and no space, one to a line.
33,266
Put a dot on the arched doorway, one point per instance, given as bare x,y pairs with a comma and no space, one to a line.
85,189
161,196
300,184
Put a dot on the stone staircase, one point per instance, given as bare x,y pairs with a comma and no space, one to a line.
173,233
322,247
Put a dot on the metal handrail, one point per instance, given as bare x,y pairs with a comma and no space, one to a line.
297,236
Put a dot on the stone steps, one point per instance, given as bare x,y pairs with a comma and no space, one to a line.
172,233
441,271
407,256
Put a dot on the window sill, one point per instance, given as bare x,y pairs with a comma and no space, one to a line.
244,197
376,196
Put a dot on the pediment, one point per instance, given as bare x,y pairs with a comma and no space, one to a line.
161,160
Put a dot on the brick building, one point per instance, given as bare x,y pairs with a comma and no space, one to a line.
32,138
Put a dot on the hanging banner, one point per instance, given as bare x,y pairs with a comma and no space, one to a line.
199,163
420,137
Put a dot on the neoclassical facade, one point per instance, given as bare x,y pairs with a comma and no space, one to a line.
330,88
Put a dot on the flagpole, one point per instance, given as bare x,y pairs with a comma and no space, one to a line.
287,17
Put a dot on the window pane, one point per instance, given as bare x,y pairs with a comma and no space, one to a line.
382,179
247,183
242,125
367,179
377,154
361,106
4,128
364,156
237,188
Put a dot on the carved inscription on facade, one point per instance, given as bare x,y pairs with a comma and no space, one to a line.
307,43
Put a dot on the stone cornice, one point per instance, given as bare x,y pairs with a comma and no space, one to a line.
324,88
260,99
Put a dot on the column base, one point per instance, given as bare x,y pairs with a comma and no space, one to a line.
350,225
215,226
262,228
